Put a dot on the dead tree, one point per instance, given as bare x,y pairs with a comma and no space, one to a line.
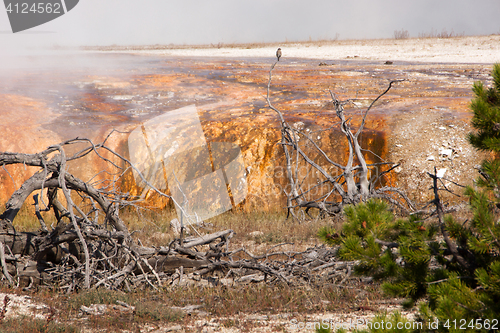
350,184
90,246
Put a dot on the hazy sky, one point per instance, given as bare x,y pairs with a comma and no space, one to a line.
107,22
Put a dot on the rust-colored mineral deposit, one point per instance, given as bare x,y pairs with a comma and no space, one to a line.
40,107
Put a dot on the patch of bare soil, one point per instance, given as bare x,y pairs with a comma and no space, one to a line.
13,305
285,322
423,140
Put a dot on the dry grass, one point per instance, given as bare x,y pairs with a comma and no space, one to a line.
401,34
27,221
271,227
219,301
443,34
152,228
29,325
268,299
230,302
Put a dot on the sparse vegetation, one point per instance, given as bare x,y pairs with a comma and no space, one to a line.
274,226
154,311
443,34
30,325
98,296
220,301
401,34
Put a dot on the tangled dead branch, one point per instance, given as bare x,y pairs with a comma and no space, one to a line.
90,246
349,183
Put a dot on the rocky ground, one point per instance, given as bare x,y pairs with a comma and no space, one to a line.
427,140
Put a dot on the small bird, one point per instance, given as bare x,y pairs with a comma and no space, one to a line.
278,53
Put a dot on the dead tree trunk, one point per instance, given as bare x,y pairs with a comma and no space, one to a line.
352,182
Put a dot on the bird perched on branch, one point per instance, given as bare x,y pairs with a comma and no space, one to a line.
278,53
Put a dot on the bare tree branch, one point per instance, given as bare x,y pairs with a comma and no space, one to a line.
351,183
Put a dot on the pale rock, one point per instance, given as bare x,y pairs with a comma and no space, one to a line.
94,309
122,97
299,125
256,234
440,172
445,152
188,309
100,309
